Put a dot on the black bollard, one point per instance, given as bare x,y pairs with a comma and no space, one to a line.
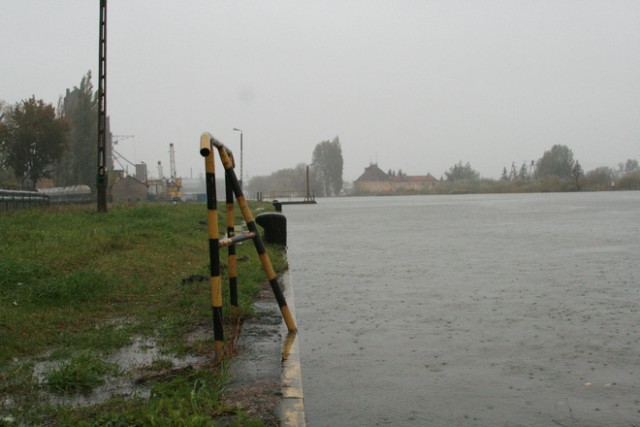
275,227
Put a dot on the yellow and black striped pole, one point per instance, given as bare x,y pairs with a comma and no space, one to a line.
231,251
230,176
214,251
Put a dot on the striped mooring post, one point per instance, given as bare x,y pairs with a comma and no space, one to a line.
214,255
207,143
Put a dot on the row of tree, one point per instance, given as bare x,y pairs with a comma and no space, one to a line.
556,170
324,175
39,141
557,162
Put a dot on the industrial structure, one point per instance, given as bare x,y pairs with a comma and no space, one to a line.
174,185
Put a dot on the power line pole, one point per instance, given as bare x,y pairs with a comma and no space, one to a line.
101,179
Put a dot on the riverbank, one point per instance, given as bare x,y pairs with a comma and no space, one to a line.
106,318
265,378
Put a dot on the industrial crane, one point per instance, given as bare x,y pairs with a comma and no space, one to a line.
114,154
117,156
159,184
174,186
117,138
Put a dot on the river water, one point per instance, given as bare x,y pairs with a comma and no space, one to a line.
469,310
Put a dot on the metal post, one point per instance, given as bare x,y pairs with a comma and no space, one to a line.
309,197
214,251
230,241
241,154
308,191
101,179
231,251
227,162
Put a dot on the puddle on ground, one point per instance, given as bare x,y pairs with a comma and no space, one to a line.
129,360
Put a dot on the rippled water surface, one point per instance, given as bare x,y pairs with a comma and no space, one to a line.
474,310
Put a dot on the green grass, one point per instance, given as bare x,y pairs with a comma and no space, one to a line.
80,374
186,400
76,285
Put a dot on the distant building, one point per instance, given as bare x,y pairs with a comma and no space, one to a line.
375,181
141,172
127,189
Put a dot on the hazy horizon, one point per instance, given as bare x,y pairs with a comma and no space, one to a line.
410,85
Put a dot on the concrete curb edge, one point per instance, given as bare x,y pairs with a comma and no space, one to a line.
292,404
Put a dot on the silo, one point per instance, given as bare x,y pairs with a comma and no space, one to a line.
141,172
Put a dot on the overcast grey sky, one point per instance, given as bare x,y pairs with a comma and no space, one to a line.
411,85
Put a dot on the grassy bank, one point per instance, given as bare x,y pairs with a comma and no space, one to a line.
78,287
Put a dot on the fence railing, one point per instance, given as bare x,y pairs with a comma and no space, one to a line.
11,200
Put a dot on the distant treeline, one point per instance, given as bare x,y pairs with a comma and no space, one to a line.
555,171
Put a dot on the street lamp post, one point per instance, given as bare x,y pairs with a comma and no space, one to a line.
241,177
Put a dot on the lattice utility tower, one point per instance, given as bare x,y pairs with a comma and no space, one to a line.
101,177
172,163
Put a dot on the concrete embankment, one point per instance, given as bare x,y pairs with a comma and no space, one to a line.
267,363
